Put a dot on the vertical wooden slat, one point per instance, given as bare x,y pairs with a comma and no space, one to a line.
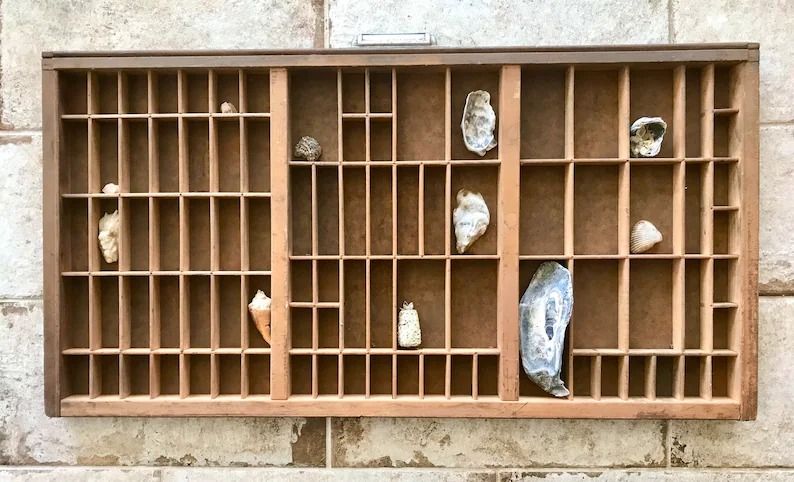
623,377
341,231
447,222
475,389
508,226
679,207
679,371
568,207
624,220
184,375
595,377
154,376
394,264
650,378
707,227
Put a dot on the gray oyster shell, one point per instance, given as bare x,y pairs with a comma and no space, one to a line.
647,134
478,123
544,311
308,148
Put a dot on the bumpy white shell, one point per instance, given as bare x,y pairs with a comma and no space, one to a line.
228,108
259,307
644,236
647,134
111,188
308,148
109,236
478,123
409,332
471,219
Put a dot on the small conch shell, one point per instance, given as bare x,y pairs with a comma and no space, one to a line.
471,219
409,332
259,307
109,236
228,108
111,188
478,123
308,148
647,134
644,236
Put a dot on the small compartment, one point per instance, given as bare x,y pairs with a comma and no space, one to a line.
693,367
692,280
421,105
228,132
380,139
595,313
106,93
301,281
167,304
725,141
461,375
722,376
199,370
107,291
328,280
75,379
408,210
301,323
435,209
228,374
724,227
693,208
198,212
229,310
137,373
380,380
198,155
724,175
258,374
354,140
542,210
380,91
542,114
652,200
167,93
136,155
650,303
382,310
258,154
258,232
665,369
355,192
327,210
483,180
637,376
136,93
257,91
328,374
314,109
107,142
473,323
380,197
353,88
328,328
108,368
596,210
724,280
724,86
465,81
582,377
198,288
355,306
422,283
596,114
167,136
694,98
610,375
252,285
227,85
487,375
198,91
724,328
74,235
301,210
137,300
301,374
408,375
228,217
169,374
74,157
73,87
354,369
136,224
435,370
652,96
167,215
75,314
100,208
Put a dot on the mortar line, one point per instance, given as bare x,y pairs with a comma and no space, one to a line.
327,23
668,448
22,299
670,27
19,132
328,452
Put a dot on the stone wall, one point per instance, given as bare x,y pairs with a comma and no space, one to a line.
433,449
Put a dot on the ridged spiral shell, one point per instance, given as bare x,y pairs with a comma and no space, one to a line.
644,236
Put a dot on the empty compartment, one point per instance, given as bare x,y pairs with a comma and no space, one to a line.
380,368
380,139
314,110
301,210
74,157
665,373
167,289
75,376
465,81
108,373
198,288
300,367
693,116
652,96
408,210
136,92
382,310
137,307
651,303
355,209
105,95
106,290
408,375
252,284
461,375
354,140
301,281
258,154
198,91
380,207
355,306
227,215
422,283
582,377
542,114
725,280
136,224
328,374
73,87
610,375
258,232
301,327
258,374
542,210
328,327
167,137
354,370
595,313
724,86
198,213
724,232
652,200
692,269
74,235
199,374
198,155
136,369
692,373
106,141
328,280
169,374
487,375
637,374
474,320
257,91
693,203
725,329
167,94
435,209
227,89
596,210
136,154
421,119
75,313
229,374
596,114
483,180
726,142
435,369
722,376
353,91
380,91
327,210
167,228
229,310
724,182
101,207
228,132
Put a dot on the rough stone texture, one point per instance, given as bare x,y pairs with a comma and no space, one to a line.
503,22
32,27
768,441
770,23
496,443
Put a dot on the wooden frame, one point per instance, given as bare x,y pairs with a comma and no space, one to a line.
214,207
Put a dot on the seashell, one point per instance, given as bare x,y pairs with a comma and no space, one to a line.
478,123
409,332
644,236
471,219
259,307
544,311
647,134
228,108
111,188
109,236
308,148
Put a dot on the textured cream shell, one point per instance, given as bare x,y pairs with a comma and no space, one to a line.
259,307
644,236
111,188
470,219
228,108
409,331
109,236
478,122
308,148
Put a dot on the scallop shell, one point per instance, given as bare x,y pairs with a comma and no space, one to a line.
644,236
478,123
647,134
544,311
308,148
259,307
111,188
228,108
470,218
109,236
409,331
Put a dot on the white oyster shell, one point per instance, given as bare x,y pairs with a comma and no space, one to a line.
308,148
478,123
545,310
644,236
111,188
228,108
647,134
259,308
470,218
409,331
109,236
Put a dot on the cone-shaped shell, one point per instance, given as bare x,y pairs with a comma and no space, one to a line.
644,236
259,307
478,123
